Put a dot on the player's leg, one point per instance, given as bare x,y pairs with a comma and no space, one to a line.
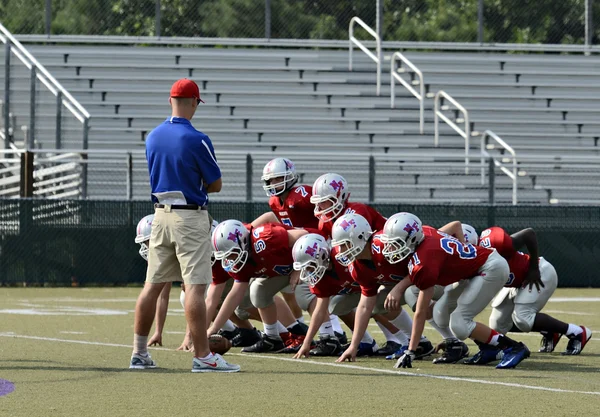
248,335
344,306
290,298
162,305
453,349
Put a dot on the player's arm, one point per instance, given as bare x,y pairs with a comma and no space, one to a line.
268,217
363,314
528,238
213,296
392,301
294,235
454,229
319,315
162,305
233,299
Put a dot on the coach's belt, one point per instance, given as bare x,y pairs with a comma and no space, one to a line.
183,206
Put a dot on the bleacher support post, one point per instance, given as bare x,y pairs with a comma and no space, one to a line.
58,143
371,179
589,26
32,82
480,22
268,19
48,16
379,19
7,95
26,183
157,18
492,181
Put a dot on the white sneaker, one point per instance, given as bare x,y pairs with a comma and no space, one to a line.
215,364
141,362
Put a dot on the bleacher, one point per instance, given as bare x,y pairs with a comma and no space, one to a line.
306,105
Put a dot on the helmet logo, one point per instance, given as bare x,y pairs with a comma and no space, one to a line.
337,185
234,236
312,250
410,229
347,224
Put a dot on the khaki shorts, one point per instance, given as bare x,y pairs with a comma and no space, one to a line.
180,247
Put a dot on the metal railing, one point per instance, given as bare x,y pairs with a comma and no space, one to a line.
353,41
38,72
466,133
420,95
510,173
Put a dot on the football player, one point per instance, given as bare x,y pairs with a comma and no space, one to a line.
531,283
263,253
473,275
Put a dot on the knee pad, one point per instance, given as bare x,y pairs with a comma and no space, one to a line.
411,295
441,315
242,314
523,316
461,327
258,297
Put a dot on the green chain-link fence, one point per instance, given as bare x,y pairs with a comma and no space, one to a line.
50,242
500,21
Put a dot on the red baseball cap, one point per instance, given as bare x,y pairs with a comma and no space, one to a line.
186,88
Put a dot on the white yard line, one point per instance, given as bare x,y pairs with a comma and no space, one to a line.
330,364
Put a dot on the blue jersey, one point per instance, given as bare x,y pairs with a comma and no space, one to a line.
180,158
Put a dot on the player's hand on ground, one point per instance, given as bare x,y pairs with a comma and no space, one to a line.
186,345
349,355
533,278
405,360
304,352
155,340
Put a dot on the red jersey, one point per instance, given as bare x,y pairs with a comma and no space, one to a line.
296,210
441,259
219,275
375,219
335,281
518,262
269,255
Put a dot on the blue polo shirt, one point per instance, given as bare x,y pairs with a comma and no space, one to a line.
180,158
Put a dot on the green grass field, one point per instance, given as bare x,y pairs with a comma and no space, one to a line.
67,353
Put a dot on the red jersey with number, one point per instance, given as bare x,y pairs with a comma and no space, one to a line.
269,255
296,210
375,219
518,262
336,281
442,260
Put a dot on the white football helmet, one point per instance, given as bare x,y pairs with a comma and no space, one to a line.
311,257
279,168
331,188
401,235
143,232
353,231
230,242
212,232
471,236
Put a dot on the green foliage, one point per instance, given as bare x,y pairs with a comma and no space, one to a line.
532,21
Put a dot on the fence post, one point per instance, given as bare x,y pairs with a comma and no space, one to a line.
58,143
84,175
26,186
248,177
7,95
379,19
268,19
492,181
480,22
371,179
157,18
32,108
48,16
129,176
589,23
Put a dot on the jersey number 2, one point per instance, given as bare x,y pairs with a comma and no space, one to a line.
450,245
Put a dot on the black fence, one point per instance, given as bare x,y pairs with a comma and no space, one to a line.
87,243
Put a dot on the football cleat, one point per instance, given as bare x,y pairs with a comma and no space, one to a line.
397,354
577,343
367,349
141,362
487,353
229,335
513,356
341,337
424,349
294,343
266,344
246,337
549,342
327,346
455,351
215,363
388,349
299,329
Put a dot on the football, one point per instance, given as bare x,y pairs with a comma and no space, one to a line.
219,344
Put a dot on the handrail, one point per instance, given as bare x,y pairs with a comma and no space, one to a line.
512,175
419,95
40,72
466,133
353,40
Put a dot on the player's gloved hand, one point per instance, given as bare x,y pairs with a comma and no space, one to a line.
533,278
405,360
156,339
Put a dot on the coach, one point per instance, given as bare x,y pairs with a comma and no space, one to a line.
183,171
